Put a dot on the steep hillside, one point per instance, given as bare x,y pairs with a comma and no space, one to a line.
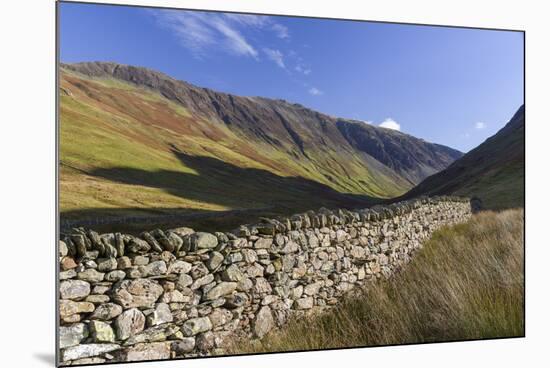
133,139
494,171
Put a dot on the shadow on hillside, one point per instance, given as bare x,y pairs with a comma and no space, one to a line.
217,182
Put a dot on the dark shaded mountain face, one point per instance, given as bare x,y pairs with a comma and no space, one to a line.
494,171
125,128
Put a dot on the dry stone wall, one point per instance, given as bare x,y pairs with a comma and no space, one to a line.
181,293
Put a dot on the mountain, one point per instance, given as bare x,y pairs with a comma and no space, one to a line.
494,171
134,139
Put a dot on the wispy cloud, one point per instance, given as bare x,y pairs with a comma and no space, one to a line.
480,125
389,123
315,92
276,56
301,69
201,32
280,30
198,31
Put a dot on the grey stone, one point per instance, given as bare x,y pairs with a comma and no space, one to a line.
223,288
232,273
205,342
162,314
215,260
74,289
184,281
179,267
86,351
69,307
304,303
195,326
153,334
263,322
72,335
201,240
156,268
263,243
107,311
101,331
129,323
140,293
106,265
149,351
184,346
115,276
91,275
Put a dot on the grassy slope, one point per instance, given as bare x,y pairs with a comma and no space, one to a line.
494,171
117,158
466,283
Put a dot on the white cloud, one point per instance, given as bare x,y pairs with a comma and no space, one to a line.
199,31
366,122
389,123
276,56
280,30
301,69
315,92
480,125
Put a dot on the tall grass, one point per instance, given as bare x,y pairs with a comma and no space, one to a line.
466,283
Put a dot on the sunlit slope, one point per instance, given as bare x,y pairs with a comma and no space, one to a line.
140,140
123,147
493,172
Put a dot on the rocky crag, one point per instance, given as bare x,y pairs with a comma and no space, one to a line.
180,293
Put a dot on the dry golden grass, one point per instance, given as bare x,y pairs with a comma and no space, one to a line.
466,283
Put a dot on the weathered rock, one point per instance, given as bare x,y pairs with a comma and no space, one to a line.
150,351
101,331
97,298
205,341
304,303
215,260
153,334
223,288
263,243
220,316
162,314
115,276
91,275
63,249
200,240
263,322
137,293
106,265
184,346
232,273
179,267
74,289
184,281
129,323
72,335
69,307
195,326
154,269
86,351
107,311
66,275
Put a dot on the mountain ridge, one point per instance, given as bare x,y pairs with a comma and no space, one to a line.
493,172
135,140
233,110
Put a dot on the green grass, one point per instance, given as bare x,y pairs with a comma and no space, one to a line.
466,283
117,159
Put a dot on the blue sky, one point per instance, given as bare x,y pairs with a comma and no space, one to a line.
446,85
